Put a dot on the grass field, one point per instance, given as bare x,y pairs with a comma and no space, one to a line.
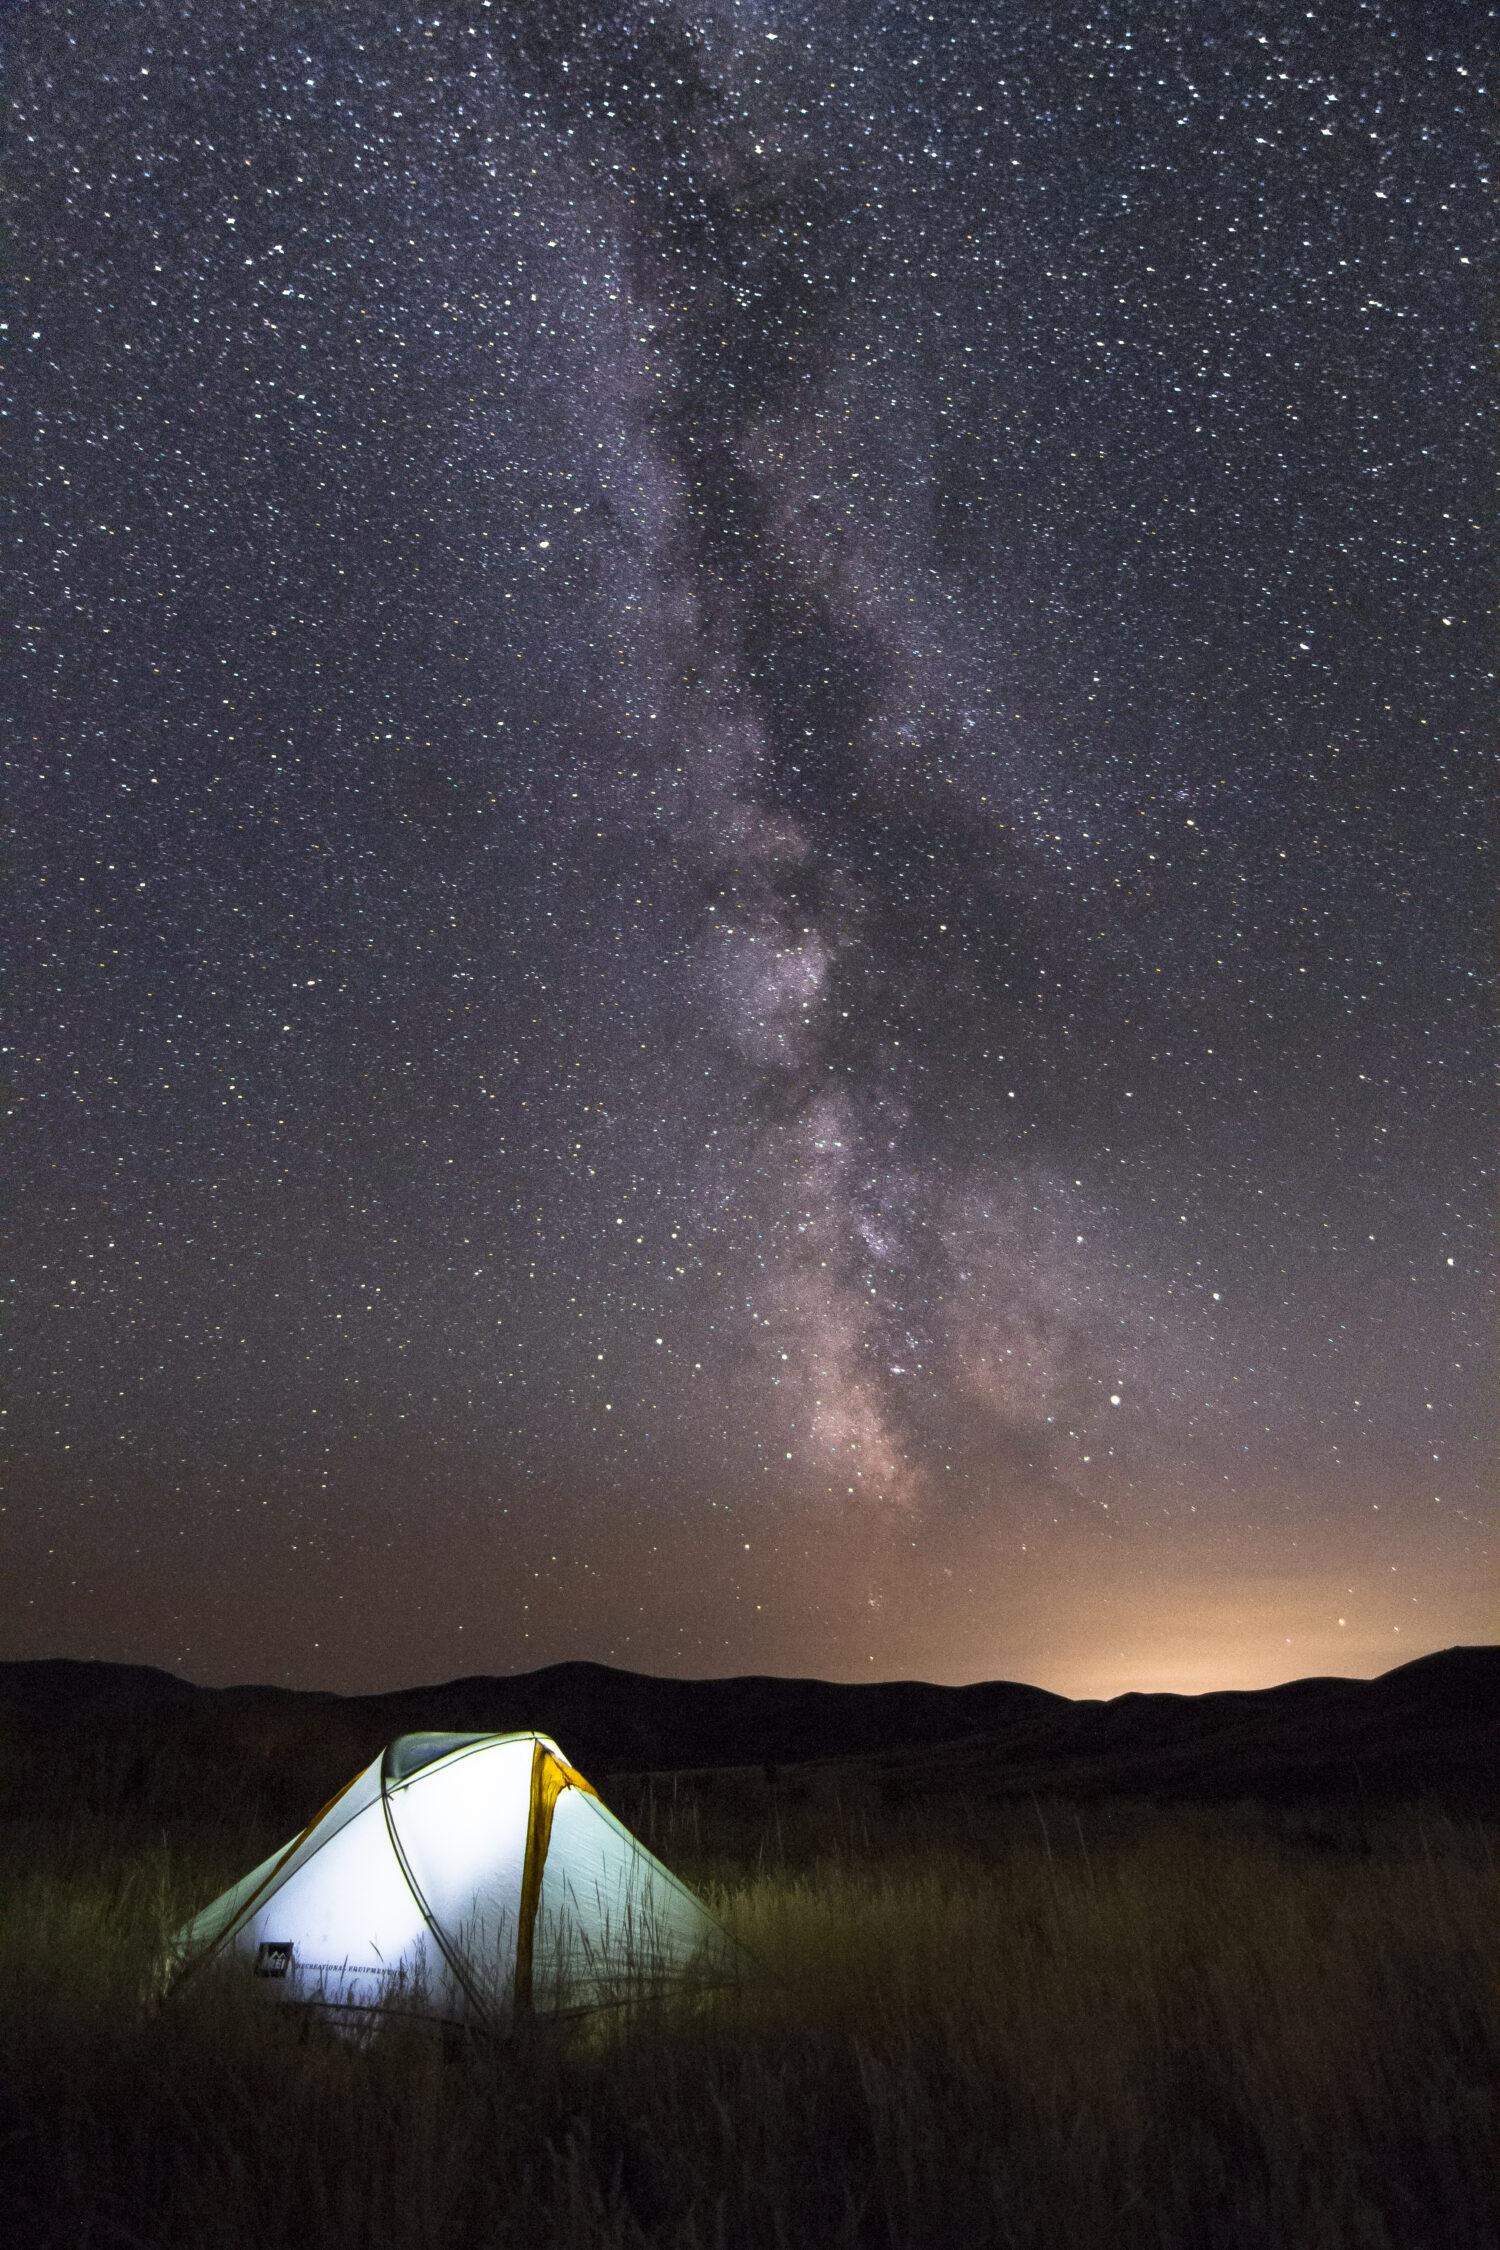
1062,2027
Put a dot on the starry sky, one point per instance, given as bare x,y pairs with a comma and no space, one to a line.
747,875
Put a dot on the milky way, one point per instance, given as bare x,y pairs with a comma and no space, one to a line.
748,839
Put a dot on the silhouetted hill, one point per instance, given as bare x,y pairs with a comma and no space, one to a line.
1431,1728
116,1738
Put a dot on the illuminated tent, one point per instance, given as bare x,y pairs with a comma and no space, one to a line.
471,1877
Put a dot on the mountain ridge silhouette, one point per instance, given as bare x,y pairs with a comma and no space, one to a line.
124,1737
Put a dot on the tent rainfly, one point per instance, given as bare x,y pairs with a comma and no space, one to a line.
471,1877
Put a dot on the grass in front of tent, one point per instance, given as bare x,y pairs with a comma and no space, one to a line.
1106,2026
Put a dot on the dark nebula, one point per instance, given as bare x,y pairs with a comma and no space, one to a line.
748,839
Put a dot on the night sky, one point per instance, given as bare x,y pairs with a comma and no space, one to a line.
747,889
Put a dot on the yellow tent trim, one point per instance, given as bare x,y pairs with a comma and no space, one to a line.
550,1776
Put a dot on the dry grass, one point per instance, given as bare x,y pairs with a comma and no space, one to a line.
1112,2027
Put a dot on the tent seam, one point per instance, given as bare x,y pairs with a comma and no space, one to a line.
449,1952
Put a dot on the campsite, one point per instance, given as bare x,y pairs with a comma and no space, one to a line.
749,1475
1010,1970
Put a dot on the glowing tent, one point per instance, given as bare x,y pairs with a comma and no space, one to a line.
466,1876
